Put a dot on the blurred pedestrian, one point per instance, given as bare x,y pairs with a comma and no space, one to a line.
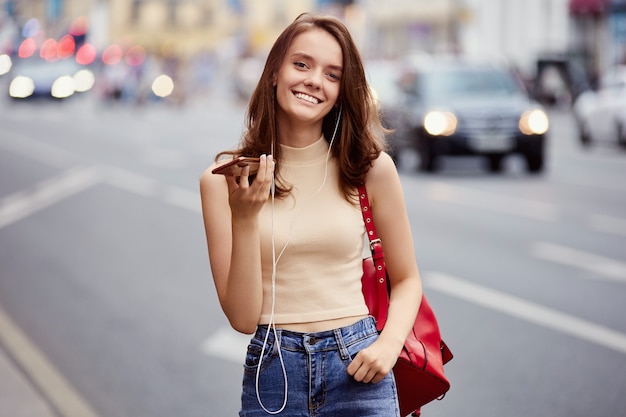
286,244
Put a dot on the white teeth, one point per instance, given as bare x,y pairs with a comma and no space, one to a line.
308,98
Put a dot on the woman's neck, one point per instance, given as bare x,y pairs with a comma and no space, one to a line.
299,135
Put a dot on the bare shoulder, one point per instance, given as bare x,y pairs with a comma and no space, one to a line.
211,183
207,176
382,172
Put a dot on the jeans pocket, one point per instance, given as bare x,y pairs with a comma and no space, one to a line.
359,345
253,355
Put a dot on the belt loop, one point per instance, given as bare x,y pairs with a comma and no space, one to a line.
277,340
343,351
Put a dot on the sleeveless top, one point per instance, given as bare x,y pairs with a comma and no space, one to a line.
318,239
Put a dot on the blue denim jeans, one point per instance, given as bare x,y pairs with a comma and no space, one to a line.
318,383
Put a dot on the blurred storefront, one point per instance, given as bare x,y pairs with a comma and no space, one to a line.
522,32
396,27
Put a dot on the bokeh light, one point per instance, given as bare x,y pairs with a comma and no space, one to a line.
63,87
5,64
135,55
66,46
86,54
27,48
163,86
48,50
79,26
112,54
84,80
21,87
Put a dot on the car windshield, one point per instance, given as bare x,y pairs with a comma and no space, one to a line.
450,83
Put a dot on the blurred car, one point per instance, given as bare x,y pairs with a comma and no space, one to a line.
454,107
60,79
599,113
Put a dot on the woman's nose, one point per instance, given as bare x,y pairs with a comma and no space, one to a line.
313,80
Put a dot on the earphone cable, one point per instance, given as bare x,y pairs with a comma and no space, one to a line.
271,327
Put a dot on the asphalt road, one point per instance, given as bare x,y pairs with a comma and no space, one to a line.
103,266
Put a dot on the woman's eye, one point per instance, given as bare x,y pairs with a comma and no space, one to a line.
300,64
334,76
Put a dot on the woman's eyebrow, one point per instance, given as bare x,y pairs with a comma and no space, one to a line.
308,57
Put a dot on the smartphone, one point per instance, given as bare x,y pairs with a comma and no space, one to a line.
235,166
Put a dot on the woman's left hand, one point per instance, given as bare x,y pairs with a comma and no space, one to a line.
373,363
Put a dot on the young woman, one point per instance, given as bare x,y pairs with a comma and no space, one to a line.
286,243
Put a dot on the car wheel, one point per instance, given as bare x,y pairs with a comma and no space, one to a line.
534,162
621,135
584,135
494,163
428,160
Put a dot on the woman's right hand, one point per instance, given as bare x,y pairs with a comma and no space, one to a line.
230,210
246,199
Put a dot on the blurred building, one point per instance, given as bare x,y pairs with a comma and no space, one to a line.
520,31
397,27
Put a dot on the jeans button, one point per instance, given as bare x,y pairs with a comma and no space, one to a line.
312,341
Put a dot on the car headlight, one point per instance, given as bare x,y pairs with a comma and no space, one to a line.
84,80
21,87
534,122
439,123
63,87
5,64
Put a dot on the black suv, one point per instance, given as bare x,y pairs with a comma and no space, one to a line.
467,108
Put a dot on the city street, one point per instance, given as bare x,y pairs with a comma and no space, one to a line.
104,269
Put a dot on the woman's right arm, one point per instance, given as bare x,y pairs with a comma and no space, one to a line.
230,212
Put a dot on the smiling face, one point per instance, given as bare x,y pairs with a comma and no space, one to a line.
308,81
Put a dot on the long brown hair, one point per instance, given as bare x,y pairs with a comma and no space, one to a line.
360,134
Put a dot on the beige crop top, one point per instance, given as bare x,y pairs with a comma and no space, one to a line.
319,239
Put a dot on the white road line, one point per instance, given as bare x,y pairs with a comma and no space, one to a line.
602,267
607,224
527,310
146,186
227,344
130,181
36,150
24,203
494,202
164,158
41,371
182,198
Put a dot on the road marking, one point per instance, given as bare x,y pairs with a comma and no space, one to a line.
146,186
183,198
164,158
227,344
24,203
38,151
607,224
526,310
130,181
602,267
484,200
41,371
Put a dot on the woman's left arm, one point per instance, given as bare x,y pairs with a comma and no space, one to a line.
393,228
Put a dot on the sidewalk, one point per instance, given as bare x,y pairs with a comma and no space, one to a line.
18,396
